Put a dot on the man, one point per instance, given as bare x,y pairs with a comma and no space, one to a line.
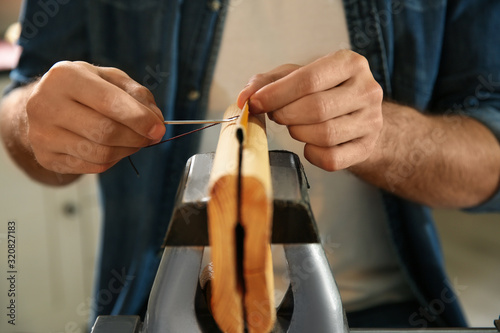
427,59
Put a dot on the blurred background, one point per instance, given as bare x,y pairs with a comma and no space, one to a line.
58,230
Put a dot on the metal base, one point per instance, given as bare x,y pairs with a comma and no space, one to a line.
312,304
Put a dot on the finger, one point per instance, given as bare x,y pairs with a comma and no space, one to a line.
93,126
131,87
78,147
341,156
332,132
122,80
318,107
114,103
260,80
322,74
67,164
92,152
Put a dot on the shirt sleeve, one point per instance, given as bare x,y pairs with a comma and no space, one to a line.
469,79
52,31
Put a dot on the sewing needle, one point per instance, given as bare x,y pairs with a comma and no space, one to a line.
191,122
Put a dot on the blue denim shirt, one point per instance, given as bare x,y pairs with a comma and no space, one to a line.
438,56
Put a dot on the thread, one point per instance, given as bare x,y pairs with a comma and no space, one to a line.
167,140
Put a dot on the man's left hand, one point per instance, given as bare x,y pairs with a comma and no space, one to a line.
333,105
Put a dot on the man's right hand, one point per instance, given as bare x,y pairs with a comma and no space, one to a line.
84,119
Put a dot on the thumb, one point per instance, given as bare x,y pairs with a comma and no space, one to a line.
259,81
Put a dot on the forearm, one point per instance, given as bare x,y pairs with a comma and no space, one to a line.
14,133
440,161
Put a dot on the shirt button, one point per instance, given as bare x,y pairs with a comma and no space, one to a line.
193,95
215,5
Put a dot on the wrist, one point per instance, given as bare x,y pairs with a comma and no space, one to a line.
14,123
392,163
386,143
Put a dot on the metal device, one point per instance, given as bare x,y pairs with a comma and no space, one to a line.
312,302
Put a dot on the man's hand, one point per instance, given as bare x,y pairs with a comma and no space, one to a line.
84,119
334,105
78,118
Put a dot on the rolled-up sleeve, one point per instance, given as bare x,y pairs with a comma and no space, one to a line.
52,31
490,117
469,78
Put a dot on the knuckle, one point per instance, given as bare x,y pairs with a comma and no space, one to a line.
258,78
358,62
373,114
325,158
103,154
343,56
287,67
105,131
61,65
283,116
82,65
282,71
34,102
79,63
294,133
108,100
113,71
58,167
40,104
100,168
365,147
378,120
102,133
34,136
59,70
277,117
140,92
374,91
38,140
343,53
320,108
309,82
270,77
330,134
331,162
44,161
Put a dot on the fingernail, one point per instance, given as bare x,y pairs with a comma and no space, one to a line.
156,132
